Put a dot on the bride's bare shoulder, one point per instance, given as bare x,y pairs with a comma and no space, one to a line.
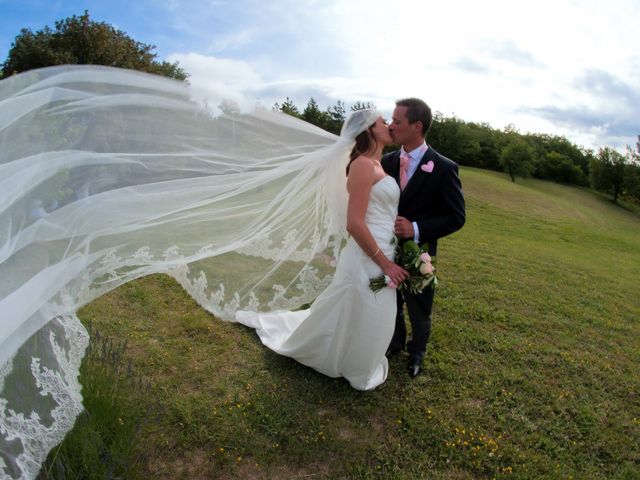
361,165
361,171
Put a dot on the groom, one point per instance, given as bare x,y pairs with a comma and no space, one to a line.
431,206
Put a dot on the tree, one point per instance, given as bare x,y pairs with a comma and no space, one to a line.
79,40
287,107
358,105
445,136
229,107
632,181
560,168
558,159
336,117
632,172
517,158
467,143
634,155
314,115
607,172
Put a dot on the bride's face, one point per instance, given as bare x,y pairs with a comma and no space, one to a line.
380,131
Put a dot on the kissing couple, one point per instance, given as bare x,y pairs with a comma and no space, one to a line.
413,193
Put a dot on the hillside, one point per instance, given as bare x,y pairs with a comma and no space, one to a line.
532,370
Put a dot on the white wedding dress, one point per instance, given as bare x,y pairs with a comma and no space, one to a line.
348,328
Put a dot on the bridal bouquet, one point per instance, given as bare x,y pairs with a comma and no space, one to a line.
414,259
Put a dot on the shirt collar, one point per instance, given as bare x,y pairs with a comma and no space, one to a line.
416,153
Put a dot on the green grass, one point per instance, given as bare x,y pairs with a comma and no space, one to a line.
102,443
532,371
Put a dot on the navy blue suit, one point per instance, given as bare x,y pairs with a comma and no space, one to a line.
433,200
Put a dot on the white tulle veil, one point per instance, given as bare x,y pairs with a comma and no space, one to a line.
107,175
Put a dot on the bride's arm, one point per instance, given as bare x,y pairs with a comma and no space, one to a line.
359,183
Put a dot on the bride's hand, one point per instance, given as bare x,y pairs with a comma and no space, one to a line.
395,272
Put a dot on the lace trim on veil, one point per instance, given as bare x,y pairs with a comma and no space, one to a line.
107,175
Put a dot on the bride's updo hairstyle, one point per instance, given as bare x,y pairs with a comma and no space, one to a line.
358,126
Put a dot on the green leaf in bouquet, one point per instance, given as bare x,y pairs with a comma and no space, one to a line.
410,247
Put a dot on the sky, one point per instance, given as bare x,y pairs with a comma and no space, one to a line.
559,67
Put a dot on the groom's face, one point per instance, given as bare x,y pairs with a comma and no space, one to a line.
401,130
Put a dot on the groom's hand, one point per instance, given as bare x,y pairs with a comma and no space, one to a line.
404,228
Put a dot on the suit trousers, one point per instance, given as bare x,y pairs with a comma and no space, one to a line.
419,307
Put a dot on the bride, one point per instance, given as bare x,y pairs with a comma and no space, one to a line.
108,175
348,328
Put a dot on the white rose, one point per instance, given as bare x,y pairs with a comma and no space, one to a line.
426,268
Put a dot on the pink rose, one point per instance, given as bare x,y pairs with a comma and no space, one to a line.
426,268
425,257
428,167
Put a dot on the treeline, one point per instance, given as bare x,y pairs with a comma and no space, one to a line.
543,156
80,40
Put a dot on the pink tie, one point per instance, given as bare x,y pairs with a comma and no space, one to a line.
404,169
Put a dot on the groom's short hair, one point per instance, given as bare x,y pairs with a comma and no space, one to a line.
417,111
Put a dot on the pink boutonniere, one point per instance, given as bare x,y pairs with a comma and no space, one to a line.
427,167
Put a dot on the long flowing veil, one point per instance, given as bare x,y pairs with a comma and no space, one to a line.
107,175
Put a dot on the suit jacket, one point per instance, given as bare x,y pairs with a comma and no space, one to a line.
433,200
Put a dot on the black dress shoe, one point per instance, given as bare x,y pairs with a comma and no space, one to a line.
414,367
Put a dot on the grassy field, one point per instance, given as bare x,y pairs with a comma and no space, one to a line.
533,369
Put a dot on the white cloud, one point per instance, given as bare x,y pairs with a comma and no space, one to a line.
218,79
217,71
496,61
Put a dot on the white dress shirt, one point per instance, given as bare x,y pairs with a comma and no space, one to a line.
415,156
